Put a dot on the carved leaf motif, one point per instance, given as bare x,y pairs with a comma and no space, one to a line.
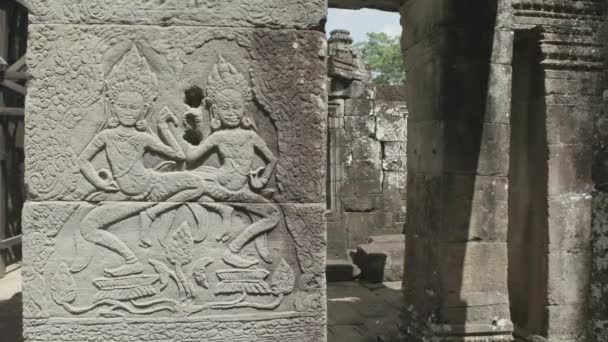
163,271
249,281
283,279
308,234
31,306
63,286
41,249
179,246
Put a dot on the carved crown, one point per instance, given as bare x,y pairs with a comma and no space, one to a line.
132,73
225,76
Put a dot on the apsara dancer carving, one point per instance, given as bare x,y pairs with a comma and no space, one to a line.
237,144
131,91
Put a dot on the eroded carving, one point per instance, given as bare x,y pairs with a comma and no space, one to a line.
56,134
238,182
269,13
235,140
166,229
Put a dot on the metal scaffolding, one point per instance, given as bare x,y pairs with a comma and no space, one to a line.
13,77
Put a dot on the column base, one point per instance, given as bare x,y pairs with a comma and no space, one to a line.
470,332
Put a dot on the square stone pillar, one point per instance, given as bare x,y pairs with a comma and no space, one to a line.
598,306
458,61
565,105
175,171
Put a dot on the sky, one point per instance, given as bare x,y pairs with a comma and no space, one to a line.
362,21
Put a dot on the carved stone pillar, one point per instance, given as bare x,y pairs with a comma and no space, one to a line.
175,170
458,66
598,306
559,43
348,81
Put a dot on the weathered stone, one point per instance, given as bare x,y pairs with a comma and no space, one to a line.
479,211
570,125
362,203
257,13
425,147
70,66
482,267
336,240
394,156
177,191
359,107
361,226
477,148
382,259
569,169
351,90
502,49
570,216
395,238
365,177
599,268
498,106
391,121
184,269
385,92
341,270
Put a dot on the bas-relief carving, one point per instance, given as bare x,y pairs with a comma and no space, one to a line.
159,237
74,106
183,274
258,13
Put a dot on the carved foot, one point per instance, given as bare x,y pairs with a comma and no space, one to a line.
126,270
235,260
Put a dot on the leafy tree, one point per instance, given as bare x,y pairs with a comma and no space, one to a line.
382,53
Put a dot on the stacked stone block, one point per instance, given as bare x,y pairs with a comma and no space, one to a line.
458,137
175,171
367,162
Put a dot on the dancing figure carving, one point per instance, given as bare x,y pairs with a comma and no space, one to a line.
130,92
237,144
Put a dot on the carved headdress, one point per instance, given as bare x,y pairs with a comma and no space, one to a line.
132,73
224,76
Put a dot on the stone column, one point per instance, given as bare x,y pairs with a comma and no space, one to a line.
598,306
175,171
458,140
564,103
344,75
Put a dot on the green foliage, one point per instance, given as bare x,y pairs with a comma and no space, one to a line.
383,56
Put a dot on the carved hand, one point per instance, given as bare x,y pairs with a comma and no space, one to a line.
106,182
257,181
195,113
167,116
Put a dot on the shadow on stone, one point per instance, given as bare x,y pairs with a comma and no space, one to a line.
364,312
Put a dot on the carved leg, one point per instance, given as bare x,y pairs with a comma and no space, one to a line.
225,212
93,229
270,219
181,187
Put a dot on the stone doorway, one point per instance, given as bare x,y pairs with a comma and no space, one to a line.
500,95
366,176
467,62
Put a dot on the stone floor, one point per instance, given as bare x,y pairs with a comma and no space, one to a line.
10,305
358,312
